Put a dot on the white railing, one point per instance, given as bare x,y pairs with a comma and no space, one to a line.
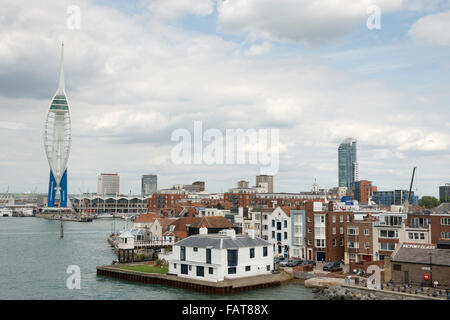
152,243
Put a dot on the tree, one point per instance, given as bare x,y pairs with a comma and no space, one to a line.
428,202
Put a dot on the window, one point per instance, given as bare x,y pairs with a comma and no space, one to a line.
366,232
200,271
309,230
445,235
342,242
367,245
397,267
183,253
195,249
264,251
341,218
388,234
190,268
352,231
334,218
309,219
278,236
334,242
386,246
252,253
208,256
279,225
211,270
352,256
285,235
273,234
248,268
232,255
273,223
334,230
353,245
232,270
445,221
285,223
184,269
341,230
320,243
268,267
309,242
174,265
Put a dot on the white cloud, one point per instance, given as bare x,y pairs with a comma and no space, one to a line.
258,49
432,29
130,83
178,8
304,21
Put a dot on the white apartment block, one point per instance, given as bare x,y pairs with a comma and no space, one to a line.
108,184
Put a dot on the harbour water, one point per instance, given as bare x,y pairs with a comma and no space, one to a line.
34,261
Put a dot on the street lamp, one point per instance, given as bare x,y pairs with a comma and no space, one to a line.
431,271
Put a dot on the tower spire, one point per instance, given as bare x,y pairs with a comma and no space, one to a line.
61,83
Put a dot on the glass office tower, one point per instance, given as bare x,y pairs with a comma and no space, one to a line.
348,166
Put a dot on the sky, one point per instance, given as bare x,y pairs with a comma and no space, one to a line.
136,71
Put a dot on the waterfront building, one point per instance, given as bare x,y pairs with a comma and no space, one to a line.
347,163
266,182
122,204
421,263
359,239
279,230
324,225
57,141
298,231
108,184
444,193
149,184
217,257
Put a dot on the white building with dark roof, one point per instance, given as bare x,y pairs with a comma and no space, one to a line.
217,257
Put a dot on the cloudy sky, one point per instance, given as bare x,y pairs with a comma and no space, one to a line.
138,70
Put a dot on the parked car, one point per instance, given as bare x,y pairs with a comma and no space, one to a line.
278,260
332,266
306,262
284,263
294,263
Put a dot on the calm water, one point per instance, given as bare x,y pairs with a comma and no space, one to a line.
34,260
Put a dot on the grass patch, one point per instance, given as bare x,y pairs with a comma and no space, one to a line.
146,268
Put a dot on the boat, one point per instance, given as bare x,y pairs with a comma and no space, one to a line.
6,212
104,215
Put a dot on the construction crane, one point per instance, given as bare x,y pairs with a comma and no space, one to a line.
406,204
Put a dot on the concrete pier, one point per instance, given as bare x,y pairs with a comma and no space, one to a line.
222,287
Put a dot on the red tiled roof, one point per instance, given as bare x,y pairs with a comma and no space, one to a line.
213,222
146,218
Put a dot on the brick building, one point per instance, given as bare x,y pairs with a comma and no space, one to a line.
359,240
325,238
414,263
363,190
